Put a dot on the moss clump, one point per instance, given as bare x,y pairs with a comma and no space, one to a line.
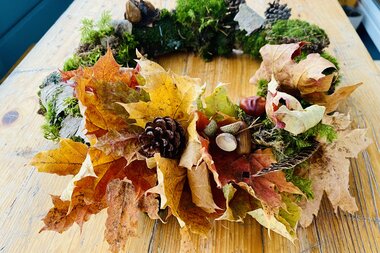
304,184
93,32
262,88
252,43
295,30
72,107
212,29
165,36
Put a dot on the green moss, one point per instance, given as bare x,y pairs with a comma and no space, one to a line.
203,13
50,132
85,59
72,63
295,30
304,184
72,107
262,88
92,32
126,52
321,131
252,43
164,37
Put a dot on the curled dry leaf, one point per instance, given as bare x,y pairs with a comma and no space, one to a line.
306,77
179,199
286,112
329,169
122,213
65,160
170,95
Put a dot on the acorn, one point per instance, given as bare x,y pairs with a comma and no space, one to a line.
232,128
254,106
244,141
226,142
133,13
211,128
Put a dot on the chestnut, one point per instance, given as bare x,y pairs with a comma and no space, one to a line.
254,106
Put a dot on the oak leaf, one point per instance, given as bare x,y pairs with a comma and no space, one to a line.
329,168
65,160
170,95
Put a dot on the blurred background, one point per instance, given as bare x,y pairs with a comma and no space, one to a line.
24,22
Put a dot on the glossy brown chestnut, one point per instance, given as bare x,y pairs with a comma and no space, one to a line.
254,106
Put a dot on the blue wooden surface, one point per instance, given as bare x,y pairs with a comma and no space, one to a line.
22,24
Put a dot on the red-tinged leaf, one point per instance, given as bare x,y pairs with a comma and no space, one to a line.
123,144
238,169
122,213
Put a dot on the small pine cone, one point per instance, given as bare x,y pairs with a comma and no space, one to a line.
165,136
277,11
233,6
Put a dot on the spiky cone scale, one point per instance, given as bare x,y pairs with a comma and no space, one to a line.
163,135
277,11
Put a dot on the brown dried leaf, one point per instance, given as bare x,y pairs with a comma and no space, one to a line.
149,204
177,193
65,160
329,169
122,213
331,102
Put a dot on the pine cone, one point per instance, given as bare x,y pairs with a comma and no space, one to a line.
165,136
233,6
277,11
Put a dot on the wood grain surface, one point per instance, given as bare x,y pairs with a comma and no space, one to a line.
24,197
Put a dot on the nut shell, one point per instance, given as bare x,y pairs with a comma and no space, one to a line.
226,142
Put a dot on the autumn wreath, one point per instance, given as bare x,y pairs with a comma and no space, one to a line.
144,139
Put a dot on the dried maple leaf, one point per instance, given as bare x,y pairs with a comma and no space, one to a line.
232,167
306,77
122,213
179,199
170,95
200,187
238,203
123,144
329,168
65,160
99,89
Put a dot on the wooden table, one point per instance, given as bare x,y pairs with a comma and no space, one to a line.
24,198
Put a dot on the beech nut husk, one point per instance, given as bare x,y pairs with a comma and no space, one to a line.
226,142
244,141
254,106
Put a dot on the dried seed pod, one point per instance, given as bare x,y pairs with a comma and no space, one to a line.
232,128
133,13
226,142
211,128
254,106
244,141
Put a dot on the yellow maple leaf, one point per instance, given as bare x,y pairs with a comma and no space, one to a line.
65,160
170,95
